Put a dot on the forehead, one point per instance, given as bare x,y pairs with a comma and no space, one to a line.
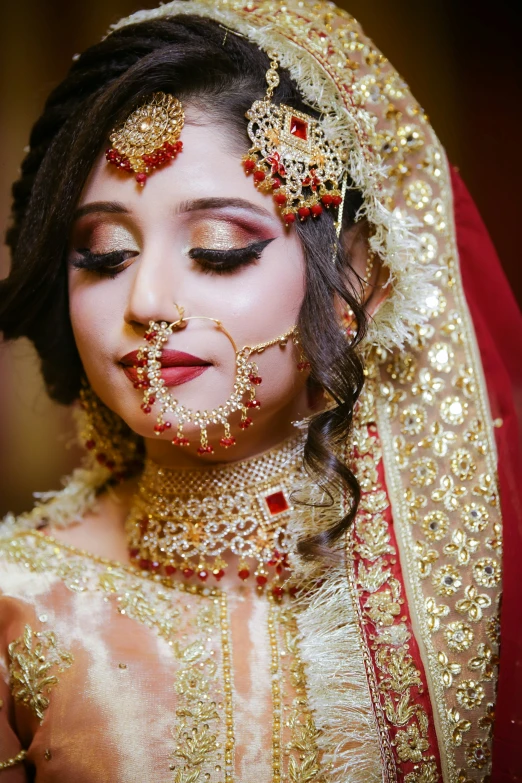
209,166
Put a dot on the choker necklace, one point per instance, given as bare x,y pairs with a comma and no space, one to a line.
184,520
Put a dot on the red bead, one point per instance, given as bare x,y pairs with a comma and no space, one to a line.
327,199
90,444
227,442
276,184
159,428
145,408
316,210
144,564
253,404
255,379
243,574
170,569
337,201
249,165
141,179
134,553
205,450
303,366
261,580
259,176
303,213
180,441
203,575
188,572
280,199
245,424
152,399
277,591
167,425
219,574
289,218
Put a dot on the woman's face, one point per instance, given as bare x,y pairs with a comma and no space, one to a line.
200,200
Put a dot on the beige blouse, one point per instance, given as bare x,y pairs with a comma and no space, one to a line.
112,675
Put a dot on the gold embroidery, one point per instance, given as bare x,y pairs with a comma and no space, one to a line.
34,659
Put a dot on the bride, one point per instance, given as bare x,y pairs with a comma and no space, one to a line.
240,252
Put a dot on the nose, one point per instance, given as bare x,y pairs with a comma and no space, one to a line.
154,289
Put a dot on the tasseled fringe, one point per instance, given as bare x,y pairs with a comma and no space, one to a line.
395,322
331,649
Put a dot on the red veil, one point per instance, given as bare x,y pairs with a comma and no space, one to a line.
498,329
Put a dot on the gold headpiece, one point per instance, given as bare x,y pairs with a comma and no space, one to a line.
149,137
291,156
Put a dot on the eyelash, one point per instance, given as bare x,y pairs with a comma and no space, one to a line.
211,261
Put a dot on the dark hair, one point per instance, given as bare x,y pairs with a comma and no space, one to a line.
103,86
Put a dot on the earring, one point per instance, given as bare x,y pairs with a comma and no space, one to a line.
303,363
149,137
370,260
107,438
155,393
292,157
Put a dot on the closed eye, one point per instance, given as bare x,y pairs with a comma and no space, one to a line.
104,264
213,261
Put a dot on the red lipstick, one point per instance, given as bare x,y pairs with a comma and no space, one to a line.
177,367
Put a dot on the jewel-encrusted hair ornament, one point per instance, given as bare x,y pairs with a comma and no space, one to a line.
149,137
291,157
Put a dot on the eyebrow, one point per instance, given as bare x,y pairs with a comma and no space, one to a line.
192,205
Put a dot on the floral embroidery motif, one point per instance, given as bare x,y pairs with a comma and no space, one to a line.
380,593
35,659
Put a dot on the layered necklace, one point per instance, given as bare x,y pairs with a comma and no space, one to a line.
183,521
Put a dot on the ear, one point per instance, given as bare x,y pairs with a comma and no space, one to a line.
370,281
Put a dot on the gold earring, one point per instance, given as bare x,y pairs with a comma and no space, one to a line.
107,438
155,393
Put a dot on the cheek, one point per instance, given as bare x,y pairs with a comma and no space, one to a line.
95,318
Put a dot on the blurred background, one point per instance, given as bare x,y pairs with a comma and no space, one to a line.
461,59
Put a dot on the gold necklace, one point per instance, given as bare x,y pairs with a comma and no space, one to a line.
184,520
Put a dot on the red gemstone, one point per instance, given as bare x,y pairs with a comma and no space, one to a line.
219,574
276,184
277,503
299,128
327,199
259,176
134,553
337,201
243,574
203,575
245,424
303,366
188,572
90,444
145,408
289,218
316,209
141,179
253,404
255,379
170,569
180,441
277,591
145,564
249,165
261,580
280,199
303,213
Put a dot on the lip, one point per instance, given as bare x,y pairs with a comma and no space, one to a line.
177,367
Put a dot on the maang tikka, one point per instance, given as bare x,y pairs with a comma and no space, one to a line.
243,397
149,137
292,158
